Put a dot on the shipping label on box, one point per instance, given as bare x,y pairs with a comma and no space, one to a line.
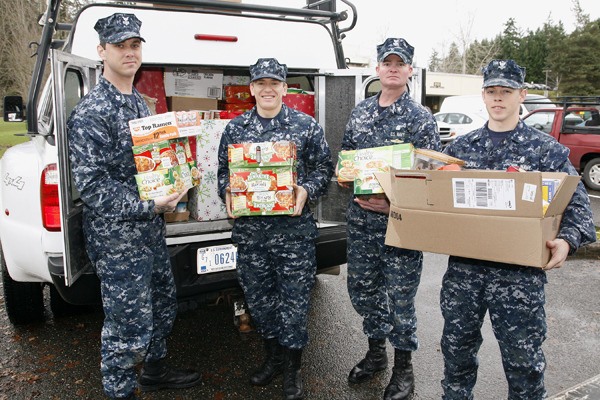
170,125
491,194
262,154
263,203
193,82
359,166
204,203
249,179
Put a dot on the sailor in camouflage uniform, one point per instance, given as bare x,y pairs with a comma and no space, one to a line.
124,236
383,280
512,294
276,254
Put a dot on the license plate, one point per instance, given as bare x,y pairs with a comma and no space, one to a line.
216,258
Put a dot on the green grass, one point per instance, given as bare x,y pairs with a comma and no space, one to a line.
7,134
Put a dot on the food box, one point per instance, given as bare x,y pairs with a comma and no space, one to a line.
244,179
488,215
237,106
262,154
263,203
193,82
170,125
238,94
359,166
166,181
431,159
163,154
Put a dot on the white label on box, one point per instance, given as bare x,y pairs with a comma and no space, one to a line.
490,194
192,82
216,258
529,191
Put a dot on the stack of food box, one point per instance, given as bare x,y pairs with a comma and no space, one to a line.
237,99
261,178
162,154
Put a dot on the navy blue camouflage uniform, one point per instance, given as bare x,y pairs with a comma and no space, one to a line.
513,295
124,237
276,254
383,280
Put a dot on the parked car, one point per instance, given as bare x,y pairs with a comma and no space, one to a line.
453,124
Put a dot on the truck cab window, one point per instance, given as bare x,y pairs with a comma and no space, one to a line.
73,89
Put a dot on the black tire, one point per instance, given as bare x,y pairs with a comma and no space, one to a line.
591,174
23,301
61,308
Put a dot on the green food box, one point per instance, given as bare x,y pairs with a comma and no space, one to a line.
359,166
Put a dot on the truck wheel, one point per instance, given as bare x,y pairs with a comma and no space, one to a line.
24,301
591,174
61,308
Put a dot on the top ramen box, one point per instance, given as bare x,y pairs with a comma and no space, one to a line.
164,126
262,154
359,166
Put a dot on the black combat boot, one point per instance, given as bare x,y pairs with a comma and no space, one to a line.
272,366
402,383
292,375
375,360
157,375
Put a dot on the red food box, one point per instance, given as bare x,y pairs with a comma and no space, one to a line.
262,154
235,94
263,203
250,179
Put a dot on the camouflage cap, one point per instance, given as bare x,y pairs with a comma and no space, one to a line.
505,73
118,28
397,46
268,68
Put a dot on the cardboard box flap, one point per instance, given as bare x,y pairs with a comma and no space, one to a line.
564,194
480,192
385,180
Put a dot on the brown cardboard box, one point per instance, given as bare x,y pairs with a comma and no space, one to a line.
488,215
177,216
177,103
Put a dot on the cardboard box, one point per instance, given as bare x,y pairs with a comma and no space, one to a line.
359,166
194,82
177,216
488,215
177,103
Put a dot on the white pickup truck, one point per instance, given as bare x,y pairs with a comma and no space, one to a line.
40,226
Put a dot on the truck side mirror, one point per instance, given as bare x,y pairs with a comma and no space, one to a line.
13,109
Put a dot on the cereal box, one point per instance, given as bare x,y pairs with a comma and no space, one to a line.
263,203
359,166
164,126
262,154
261,179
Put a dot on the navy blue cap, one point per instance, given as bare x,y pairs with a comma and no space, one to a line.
397,46
268,68
505,73
118,28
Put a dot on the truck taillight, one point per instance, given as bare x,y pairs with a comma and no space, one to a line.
49,198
